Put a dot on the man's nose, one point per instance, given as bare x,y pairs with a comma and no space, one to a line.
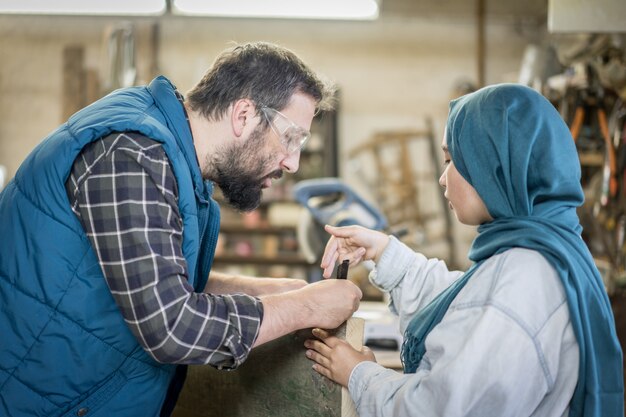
291,162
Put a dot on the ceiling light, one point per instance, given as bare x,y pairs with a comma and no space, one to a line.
299,9
82,7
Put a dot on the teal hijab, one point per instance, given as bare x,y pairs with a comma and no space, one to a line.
513,147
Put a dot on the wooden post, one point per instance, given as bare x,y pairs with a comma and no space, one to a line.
92,86
73,80
480,42
276,380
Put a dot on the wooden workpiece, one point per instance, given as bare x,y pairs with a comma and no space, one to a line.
276,380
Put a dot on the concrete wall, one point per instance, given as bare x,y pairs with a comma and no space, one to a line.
392,72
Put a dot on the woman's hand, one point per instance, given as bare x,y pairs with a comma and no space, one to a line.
354,243
335,358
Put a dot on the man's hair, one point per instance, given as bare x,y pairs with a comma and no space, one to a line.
262,72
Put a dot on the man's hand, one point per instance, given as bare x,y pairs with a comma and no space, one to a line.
330,302
325,304
335,358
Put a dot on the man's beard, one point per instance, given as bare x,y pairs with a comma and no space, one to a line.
238,171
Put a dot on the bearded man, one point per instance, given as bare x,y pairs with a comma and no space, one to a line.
109,230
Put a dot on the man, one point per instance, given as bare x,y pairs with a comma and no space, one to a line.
109,231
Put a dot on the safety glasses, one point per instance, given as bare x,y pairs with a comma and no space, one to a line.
292,137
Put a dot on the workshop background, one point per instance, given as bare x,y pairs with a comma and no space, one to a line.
395,75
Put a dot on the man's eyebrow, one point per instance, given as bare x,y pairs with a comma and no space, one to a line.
444,148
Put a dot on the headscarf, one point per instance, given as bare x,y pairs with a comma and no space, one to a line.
514,148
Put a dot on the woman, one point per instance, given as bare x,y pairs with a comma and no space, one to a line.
528,329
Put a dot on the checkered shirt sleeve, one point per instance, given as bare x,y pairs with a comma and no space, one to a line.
123,190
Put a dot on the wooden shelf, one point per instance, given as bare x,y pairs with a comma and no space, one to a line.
591,158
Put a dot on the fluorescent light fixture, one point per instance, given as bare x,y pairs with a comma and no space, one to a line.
299,9
82,7
576,16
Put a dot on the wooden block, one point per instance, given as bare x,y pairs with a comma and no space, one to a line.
276,380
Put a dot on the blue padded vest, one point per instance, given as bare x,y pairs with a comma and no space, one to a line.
64,347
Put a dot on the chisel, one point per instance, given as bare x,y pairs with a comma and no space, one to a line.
342,270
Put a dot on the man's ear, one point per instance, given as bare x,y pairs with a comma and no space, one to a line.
243,111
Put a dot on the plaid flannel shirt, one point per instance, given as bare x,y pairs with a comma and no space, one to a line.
124,192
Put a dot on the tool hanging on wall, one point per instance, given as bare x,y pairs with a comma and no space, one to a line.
596,115
120,56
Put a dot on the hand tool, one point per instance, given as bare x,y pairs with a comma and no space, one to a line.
342,269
